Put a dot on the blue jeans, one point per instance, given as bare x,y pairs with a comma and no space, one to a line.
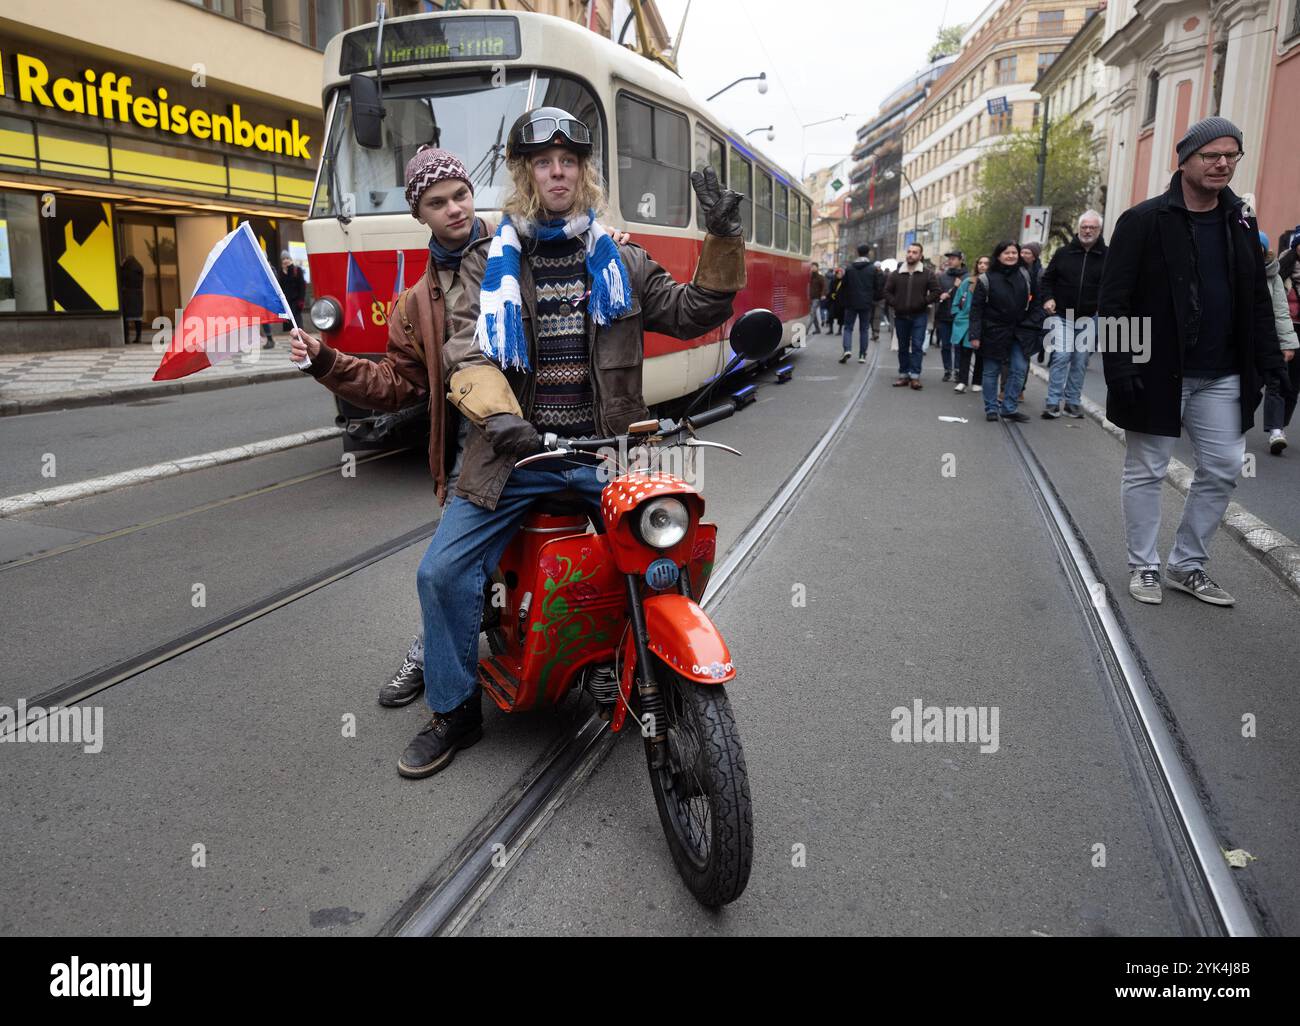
943,331
863,319
1071,342
1014,383
910,330
468,544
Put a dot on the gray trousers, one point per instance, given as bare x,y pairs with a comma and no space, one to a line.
1211,412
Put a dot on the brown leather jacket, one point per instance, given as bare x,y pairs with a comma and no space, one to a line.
410,371
658,304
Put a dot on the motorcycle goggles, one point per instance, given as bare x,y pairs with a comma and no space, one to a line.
546,130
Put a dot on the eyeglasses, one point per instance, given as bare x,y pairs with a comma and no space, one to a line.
1210,159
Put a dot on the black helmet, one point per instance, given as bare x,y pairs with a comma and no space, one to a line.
547,126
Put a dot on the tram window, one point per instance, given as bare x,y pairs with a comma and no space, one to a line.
709,152
653,162
782,235
807,228
469,114
742,180
763,210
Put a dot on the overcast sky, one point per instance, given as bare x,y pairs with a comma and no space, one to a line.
823,58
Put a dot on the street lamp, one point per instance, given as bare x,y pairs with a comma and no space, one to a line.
769,129
762,84
803,140
888,176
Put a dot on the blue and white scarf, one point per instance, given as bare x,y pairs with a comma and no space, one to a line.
500,329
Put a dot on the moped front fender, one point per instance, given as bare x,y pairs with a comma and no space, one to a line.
682,635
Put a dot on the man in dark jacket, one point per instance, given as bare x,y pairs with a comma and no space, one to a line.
909,292
1186,267
816,290
858,293
1069,289
948,282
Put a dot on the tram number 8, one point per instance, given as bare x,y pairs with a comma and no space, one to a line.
379,313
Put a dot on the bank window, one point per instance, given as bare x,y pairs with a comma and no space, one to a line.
742,180
17,143
69,151
22,266
781,233
763,210
653,157
709,152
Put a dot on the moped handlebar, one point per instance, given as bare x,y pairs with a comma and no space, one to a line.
712,416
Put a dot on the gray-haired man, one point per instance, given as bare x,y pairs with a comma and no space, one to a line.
1070,287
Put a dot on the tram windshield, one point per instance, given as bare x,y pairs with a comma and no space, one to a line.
468,114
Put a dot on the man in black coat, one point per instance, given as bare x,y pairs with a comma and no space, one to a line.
1069,288
948,282
1185,272
858,293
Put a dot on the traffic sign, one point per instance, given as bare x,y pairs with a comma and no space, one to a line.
1036,225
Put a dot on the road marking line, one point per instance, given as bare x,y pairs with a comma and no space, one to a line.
47,497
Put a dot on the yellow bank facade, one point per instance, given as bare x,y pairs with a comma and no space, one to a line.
133,136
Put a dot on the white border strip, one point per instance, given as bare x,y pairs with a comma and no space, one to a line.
47,497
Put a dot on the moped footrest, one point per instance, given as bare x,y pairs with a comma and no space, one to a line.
500,679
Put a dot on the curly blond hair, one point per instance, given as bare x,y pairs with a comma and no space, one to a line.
524,204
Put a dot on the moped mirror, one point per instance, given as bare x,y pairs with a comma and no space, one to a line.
367,111
756,335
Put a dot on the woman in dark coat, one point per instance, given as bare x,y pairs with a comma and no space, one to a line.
130,281
836,293
1005,323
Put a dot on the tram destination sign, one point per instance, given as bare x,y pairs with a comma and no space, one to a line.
433,41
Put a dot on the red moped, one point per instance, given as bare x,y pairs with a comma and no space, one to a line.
608,602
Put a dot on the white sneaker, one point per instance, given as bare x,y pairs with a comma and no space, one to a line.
977,388
1276,441
959,387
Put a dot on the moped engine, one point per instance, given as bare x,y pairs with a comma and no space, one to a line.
601,683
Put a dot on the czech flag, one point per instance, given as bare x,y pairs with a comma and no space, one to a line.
401,275
359,296
236,294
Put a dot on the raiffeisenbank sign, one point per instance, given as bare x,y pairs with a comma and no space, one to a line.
111,95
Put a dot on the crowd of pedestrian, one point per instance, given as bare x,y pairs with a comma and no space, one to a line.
1217,316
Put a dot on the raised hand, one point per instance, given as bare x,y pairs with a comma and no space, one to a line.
721,207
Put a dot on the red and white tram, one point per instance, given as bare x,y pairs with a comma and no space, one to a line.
459,80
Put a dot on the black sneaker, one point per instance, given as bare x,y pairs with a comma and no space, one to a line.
990,417
438,741
1051,412
1073,411
1018,417
406,685
947,375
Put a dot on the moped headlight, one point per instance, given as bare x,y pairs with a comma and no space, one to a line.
663,522
326,314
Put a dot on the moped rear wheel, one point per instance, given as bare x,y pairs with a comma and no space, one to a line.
702,791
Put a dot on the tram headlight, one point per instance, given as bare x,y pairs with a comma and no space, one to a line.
663,522
326,314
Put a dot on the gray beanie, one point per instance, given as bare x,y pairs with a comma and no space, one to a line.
285,255
1204,131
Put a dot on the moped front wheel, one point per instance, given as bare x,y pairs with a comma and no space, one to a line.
702,790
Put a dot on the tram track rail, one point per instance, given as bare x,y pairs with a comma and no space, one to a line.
448,900
1207,899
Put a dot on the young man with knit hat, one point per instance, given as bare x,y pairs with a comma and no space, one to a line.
441,196
1187,266
546,337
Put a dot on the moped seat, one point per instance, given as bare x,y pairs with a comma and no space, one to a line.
564,503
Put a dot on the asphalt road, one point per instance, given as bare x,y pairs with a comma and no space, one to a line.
231,796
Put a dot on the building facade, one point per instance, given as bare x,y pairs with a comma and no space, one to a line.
1074,86
827,211
1172,63
871,209
139,132
987,92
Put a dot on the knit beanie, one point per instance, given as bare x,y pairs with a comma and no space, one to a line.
1204,131
430,165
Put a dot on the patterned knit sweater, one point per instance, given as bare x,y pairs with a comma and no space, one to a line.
564,400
